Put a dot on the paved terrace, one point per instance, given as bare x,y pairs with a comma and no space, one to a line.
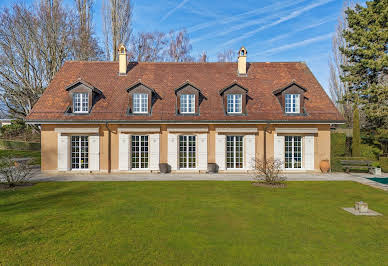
356,177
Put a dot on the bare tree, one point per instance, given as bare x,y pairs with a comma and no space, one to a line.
148,47
270,171
117,15
15,171
34,42
338,89
85,45
202,57
179,47
227,56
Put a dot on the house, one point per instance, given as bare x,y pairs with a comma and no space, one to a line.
147,117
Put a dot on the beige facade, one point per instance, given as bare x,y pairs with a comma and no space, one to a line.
109,141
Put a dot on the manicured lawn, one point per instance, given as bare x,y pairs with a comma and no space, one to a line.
35,155
88,223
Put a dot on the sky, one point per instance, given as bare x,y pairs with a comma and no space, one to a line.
271,31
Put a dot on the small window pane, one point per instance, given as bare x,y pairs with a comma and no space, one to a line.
140,103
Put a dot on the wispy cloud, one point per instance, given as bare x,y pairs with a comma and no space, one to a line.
295,44
292,15
169,13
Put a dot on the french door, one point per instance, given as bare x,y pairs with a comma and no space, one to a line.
187,152
293,152
79,152
234,152
140,152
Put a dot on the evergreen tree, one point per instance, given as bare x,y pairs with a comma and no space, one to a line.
366,49
356,141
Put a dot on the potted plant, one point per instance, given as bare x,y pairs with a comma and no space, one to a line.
376,169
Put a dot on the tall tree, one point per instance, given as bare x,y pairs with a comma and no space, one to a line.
148,47
339,89
117,15
34,42
366,50
227,56
356,140
85,45
179,47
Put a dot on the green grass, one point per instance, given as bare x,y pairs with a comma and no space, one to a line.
208,223
35,155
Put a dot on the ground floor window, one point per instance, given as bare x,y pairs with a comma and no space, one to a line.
140,152
187,151
234,152
293,152
79,152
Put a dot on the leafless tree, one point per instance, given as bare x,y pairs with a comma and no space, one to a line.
14,171
338,89
148,47
269,171
202,57
85,45
117,15
179,47
227,56
34,42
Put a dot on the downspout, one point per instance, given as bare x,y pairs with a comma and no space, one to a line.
265,146
109,147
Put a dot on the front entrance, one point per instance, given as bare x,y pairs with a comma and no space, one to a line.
293,152
187,152
140,152
79,152
234,152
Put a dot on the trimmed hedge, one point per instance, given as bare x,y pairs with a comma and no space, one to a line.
19,145
338,144
384,164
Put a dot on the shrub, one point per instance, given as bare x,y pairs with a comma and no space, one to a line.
338,144
384,164
19,145
370,152
270,171
14,172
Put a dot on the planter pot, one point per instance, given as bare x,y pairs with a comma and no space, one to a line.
324,166
164,168
375,171
212,168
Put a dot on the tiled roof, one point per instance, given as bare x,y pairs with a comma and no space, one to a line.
262,80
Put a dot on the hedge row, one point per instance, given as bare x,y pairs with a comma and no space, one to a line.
384,164
19,145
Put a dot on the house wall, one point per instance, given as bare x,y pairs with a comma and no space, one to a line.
49,139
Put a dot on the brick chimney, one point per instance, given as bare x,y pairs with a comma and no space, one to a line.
122,60
242,61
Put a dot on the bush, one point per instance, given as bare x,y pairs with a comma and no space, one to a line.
384,164
338,144
19,145
370,152
14,172
270,171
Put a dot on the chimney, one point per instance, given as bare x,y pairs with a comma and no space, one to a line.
242,61
122,60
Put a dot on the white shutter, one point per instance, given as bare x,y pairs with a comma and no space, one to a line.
123,152
220,151
154,152
172,153
249,151
202,151
309,152
94,153
278,148
63,153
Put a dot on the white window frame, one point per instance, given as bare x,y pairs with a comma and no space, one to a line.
187,155
187,103
293,161
79,153
292,103
232,106
139,153
83,99
234,141
140,103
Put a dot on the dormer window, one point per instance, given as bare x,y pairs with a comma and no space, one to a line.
234,103
80,102
187,103
292,103
140,103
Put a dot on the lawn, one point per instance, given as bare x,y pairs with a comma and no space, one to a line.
35,155
191,223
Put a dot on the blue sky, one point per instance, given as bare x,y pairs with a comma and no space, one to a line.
287,30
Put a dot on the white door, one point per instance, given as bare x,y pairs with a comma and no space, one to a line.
234,152
293,152
79,152
139,152
187,152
